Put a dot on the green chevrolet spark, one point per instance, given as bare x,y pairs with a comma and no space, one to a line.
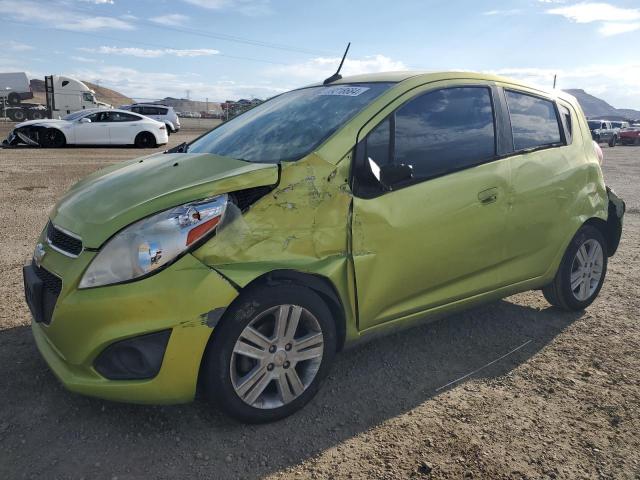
240,263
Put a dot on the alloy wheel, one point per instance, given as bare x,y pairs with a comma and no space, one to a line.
586,269
276,356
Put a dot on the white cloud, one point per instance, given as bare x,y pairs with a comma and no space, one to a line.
172,19
320,68
596,12
99,2
503,13
15,46
55,14
608,29
156,85
84,59
150,52
618,84
246,7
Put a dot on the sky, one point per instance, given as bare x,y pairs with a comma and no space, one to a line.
229,49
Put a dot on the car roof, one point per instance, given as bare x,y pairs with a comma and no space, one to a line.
431,76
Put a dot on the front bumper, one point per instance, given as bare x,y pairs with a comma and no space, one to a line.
85,322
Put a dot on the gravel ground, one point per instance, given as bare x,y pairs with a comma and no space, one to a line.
564,404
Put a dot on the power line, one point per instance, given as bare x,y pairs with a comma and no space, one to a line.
138,42
210,34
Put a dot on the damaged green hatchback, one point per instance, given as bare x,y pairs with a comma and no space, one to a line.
242,262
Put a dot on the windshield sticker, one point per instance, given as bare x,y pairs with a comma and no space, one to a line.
343,91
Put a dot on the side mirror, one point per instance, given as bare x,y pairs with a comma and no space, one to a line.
85,120
391,175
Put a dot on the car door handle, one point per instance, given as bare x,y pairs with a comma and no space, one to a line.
489,195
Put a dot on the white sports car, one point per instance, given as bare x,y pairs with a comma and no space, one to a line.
91,127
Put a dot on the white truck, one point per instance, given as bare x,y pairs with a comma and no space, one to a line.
64,95
15,87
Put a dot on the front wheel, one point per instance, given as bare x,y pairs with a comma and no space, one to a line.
581,273
53,138
613,141
269,353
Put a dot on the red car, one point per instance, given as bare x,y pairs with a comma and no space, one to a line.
630,135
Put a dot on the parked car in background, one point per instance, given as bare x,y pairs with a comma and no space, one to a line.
619,125
91,127
241,263
603,132
161,113
630,135
15,87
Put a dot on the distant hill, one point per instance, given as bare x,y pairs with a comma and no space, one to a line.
185,105
102,94
596,107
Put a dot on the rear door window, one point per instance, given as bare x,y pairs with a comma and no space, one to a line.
534,121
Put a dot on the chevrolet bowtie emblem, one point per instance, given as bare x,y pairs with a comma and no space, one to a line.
38,254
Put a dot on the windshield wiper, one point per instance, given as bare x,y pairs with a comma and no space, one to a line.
182,148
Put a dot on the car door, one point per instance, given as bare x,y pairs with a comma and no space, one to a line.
438,237
95,132
543,179
123,127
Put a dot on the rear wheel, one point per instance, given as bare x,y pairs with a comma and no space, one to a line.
269,353
581,273
145,140
53,138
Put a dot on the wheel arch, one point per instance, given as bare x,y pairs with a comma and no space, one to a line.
319,284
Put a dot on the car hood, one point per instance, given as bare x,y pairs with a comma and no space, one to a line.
108,200
58,122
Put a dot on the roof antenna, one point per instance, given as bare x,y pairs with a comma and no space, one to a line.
555,77
336,76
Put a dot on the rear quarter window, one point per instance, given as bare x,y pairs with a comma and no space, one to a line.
534,121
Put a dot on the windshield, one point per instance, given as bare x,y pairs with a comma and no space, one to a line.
290,125
593,125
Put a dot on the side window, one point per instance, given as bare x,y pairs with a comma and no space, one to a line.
533,121
565,115
378,144
445,131
122,117
93,117
162,111
137,109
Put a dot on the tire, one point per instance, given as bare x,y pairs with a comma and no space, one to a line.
13,99
274,378
17,115
53,138
559,292
145,140
613,141
169,131
36,115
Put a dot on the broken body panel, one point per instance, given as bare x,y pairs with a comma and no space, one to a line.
392,261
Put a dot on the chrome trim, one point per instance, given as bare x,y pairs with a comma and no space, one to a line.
66,232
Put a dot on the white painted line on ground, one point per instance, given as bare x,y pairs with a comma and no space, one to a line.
484,366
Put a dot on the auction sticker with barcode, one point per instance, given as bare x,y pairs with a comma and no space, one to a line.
343,91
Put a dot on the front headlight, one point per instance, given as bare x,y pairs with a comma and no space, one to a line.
153,242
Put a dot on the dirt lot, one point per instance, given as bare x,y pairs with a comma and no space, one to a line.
566,404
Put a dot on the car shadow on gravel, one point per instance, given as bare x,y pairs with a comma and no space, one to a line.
44,430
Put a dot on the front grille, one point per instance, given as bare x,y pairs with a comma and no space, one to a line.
63,241
50,282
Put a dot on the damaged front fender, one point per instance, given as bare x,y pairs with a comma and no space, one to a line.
301,225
